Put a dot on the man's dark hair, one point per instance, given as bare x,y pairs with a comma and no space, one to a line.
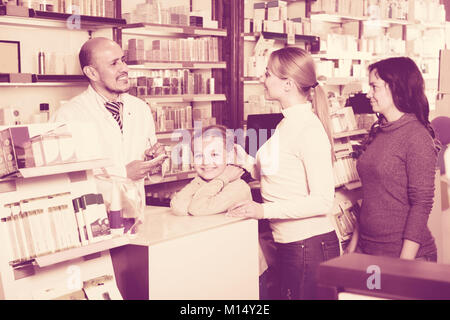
85,57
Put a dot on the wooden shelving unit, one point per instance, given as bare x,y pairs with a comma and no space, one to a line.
185,98
161,65
44,19
313,41
49,80
350,133
149,29
34,172
174,177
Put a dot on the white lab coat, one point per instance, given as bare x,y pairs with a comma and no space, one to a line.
138,128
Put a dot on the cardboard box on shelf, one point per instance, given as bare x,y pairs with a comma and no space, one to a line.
259,11
11,9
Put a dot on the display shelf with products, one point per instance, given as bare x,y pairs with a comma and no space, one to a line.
351,133
185,98
41,80
45,19
158,65
42,229
90,249
178,176
179,48
47,170
149,29
312,41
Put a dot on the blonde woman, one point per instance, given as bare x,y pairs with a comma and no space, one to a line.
295,170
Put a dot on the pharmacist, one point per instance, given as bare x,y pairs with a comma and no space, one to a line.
123,123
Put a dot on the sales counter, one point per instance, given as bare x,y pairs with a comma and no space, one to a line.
361,276
186,257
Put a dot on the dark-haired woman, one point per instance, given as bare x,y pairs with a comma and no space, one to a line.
397,167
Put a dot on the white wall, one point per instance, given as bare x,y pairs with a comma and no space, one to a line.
61,47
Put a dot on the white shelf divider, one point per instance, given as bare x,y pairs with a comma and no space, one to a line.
186,98
345,134
63,168
69,254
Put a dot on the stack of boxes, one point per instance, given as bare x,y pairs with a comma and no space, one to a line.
155,11
412,10
205,49
172,82
136,50
97,8
169,118
202,116
273,16
257,104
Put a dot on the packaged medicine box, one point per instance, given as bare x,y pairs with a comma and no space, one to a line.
259,11
13,153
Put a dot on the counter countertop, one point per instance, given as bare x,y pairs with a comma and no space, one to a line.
161,225
398,278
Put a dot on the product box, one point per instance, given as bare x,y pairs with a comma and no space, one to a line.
13,10
276,10
274,26
196,21
259,11
248,9
210,24
95,217
13,152
16,77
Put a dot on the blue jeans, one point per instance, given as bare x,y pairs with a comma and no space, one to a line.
297,264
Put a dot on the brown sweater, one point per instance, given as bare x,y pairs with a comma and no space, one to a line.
397,171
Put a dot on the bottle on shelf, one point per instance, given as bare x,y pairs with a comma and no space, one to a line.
44,112
41,62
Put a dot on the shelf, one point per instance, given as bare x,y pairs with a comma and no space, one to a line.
430,25
59,78
174,177
313,40
174,134
344,55
342,81
185,98
350,133
148,29
60,168
44,19
43,84
251,80
331,17
338,18
161,65
385,23
69,254
49,80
